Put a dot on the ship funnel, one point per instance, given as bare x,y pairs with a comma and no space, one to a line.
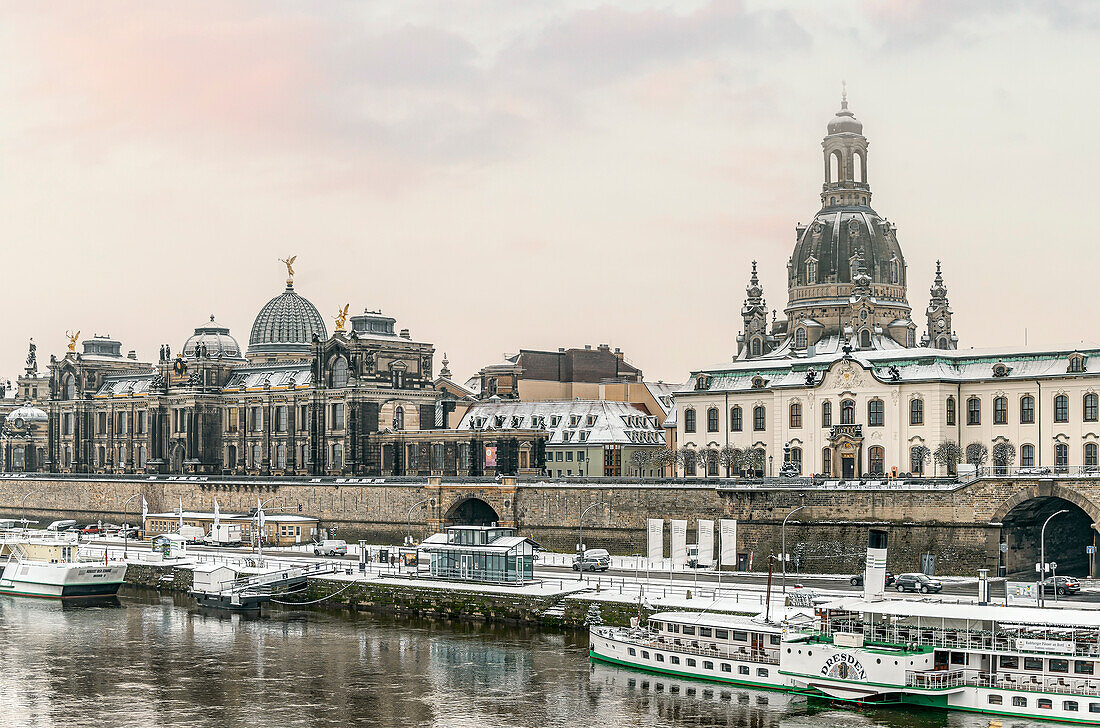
874,576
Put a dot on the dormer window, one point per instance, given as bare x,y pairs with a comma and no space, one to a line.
566,435
702,382
1076,363
555,420
517,422
590,421
759,382
584,436
499,421
1000,370
574,420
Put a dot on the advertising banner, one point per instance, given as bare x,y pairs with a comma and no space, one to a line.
656,550
704,531
1022,593
679,542
727,545
490,456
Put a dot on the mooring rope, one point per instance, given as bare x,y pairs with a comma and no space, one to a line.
315,601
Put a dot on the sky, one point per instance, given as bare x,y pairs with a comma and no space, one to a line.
505,174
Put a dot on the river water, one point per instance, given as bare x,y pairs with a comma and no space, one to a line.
159,661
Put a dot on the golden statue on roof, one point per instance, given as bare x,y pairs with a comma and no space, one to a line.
289,263
342,317
72,339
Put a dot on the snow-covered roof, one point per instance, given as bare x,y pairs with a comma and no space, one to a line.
119,386
713,619
1081,618
662,392
898,364
280,378
596,422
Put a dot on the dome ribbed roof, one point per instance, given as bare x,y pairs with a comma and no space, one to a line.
836,236
216,338
286,324
26,413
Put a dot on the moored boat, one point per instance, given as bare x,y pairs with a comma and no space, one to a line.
52,568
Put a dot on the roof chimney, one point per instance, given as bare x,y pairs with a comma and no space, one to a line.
604,347
405,334
588,347
131,354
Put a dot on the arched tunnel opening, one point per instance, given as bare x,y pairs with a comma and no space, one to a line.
1068,537
472,512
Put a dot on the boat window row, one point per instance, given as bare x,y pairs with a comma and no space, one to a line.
1053,664
735,635
1020,701
692,662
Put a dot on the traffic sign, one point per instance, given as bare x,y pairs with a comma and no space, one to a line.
1090,549
1004,548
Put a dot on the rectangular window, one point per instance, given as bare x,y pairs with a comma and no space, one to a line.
568,456
660,657
338,416
951,410
645,654
631,651
761,672
257,423
958,658
1094,707
280,418
67,423
706,632
916,412
303,417
708,665
232,419
143,422
691,662
739,636
759,418
743,669
722,634
773,639
726,667
1033,663
1019,701
1010,662
973,411
1083,667
995,700
674,660
1045,704
689,630
1070,705
1058,665
1027,410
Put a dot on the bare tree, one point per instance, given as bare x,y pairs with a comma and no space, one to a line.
685,457
753,460
708,457
641,458
729,457
1004,454
977,454
948,454
667,458
920,454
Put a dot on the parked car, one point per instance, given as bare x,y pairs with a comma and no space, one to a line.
592,560
330,547
1065,585
917,582
92,528
132,532
857,580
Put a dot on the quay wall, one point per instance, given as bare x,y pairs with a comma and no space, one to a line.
960,525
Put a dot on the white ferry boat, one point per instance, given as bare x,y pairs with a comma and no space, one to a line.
52,568
1011,661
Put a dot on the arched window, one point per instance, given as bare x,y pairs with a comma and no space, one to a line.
1027,456
911,338
916,411
847,412
877,460
257,458
951,410
399,418
689,420
1061,455
340,372
836,166
859,174
796,459
1061,408
800,339
756,347
712,419
865,339
712,462
876,413
811,271
916,460
735,419
827,461
1089,408
796,415
1027,410
826,414
1000,410
689,462
1090,455
973,411
68,387
759,418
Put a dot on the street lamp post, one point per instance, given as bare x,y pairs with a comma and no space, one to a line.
126,526
408,519
260,532
783,538
1043,558
580,538
23,507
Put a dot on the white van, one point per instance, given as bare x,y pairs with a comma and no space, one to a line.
330,547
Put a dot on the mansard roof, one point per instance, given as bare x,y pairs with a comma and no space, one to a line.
276,377
602,422
898,366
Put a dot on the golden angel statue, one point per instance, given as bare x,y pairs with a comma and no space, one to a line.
72,339
289,263
342,317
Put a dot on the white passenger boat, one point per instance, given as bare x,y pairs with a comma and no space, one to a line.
52,568
1013,661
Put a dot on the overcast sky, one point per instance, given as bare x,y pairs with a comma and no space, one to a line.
507,174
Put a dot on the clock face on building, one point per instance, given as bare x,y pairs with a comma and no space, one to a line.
940,324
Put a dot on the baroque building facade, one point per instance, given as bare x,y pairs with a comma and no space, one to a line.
841,387
298,401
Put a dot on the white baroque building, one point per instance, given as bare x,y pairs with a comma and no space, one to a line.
844,387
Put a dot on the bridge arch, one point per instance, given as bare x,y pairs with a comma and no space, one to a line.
471,511
1067,536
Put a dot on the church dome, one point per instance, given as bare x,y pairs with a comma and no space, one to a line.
25,415
845,122
839,240
286,325
217,340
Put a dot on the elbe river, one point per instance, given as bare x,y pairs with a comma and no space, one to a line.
151,660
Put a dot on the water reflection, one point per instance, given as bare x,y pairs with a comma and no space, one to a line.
160,661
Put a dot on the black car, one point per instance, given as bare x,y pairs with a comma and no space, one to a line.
857,580
917,582
1065,585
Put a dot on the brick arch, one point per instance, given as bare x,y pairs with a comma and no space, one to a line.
1047,490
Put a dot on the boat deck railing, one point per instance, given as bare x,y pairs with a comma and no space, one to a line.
946,679
693,648
1085,642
